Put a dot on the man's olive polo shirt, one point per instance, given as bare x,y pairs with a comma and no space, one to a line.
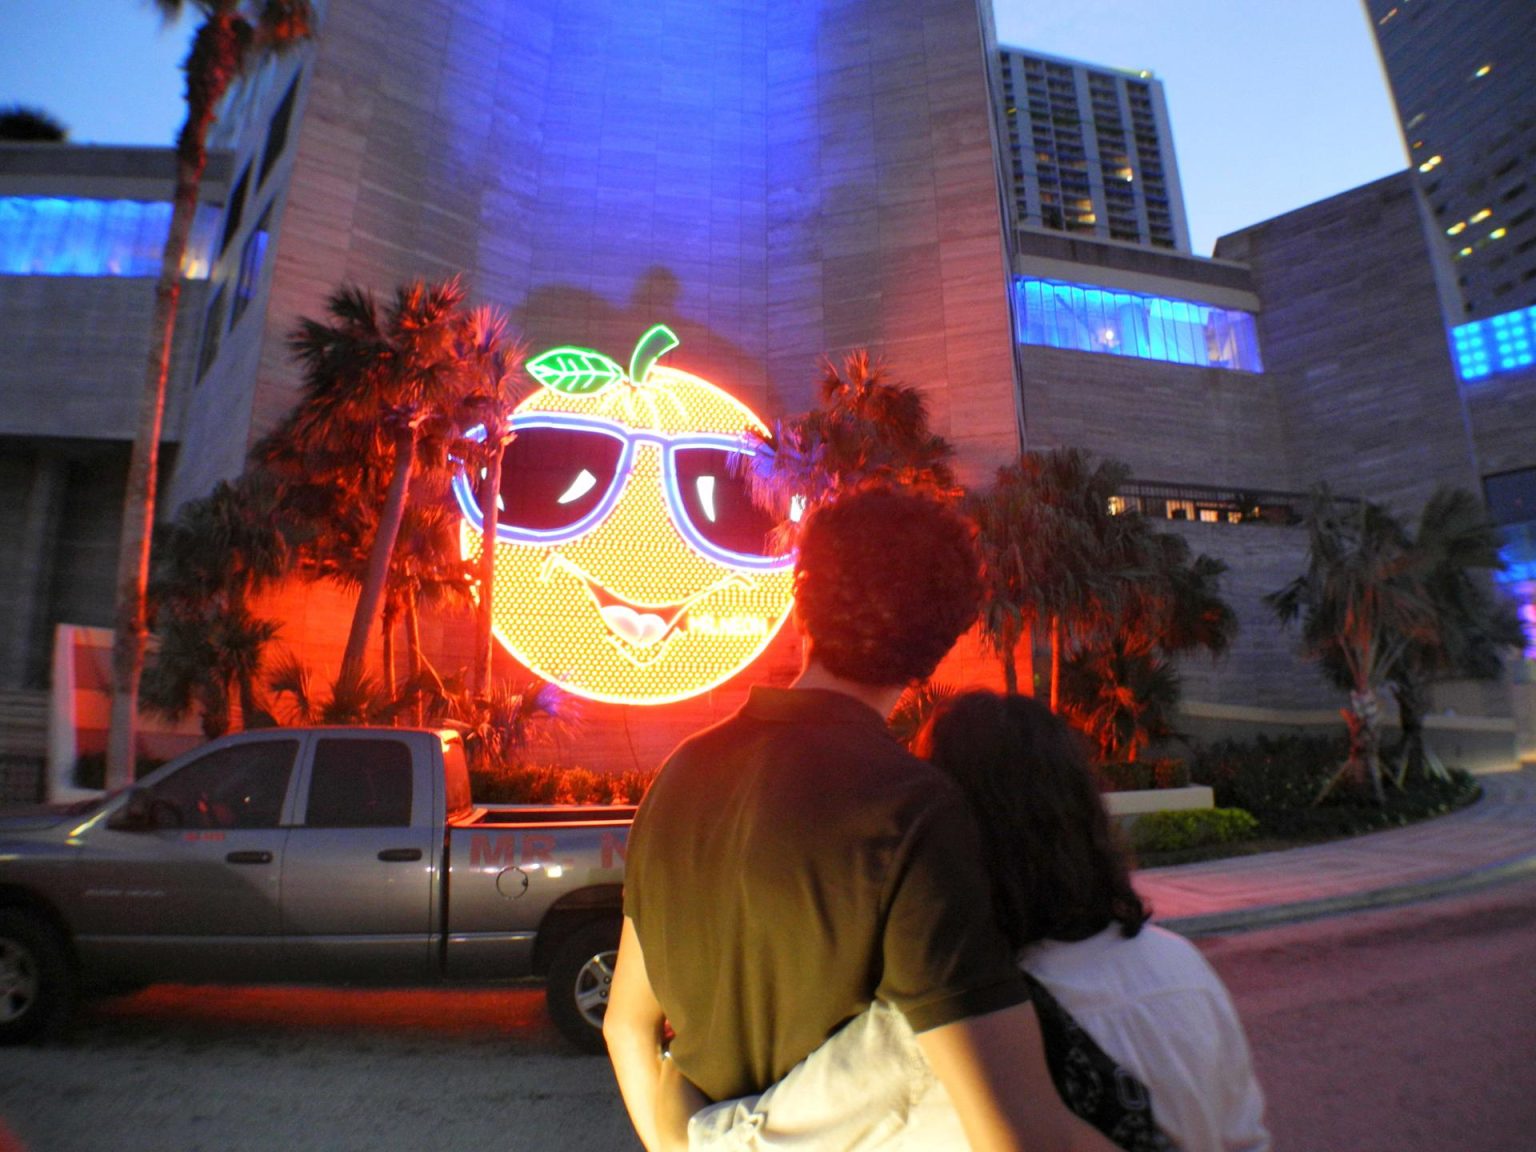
790,864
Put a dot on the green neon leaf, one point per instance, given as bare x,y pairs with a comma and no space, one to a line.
575,371
656,343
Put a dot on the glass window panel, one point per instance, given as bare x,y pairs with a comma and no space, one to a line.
51,236
360,784
1087,318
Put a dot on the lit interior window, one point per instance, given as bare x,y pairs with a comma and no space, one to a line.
1483,71
1481,214
1504,343
54,236
1498,234
1086,318
1457,228
1432,163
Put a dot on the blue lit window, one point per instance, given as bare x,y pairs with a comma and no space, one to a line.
1055,314
1505,343
252,257
53,236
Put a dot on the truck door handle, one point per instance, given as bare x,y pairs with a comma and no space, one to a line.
395,855
249,858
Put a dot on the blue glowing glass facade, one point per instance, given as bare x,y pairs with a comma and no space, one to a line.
54,236
1085,318
1504,343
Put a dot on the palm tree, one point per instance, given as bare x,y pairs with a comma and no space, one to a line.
1121,693
1054,553
392,375
218,552
1007,524
495,365
1120,685
19,122
867,427
1459,548
1364,606
232,35
427,570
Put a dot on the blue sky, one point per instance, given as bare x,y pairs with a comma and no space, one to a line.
1274,105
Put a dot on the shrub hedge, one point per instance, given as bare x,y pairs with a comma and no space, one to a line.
1196,828
546,784
1277,778
1120,776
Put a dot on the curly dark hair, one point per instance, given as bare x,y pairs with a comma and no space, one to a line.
1058,870
887,579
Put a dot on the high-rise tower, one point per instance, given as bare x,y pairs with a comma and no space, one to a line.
1463,77
1090,151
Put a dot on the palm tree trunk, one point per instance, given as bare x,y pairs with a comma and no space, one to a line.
1415,753
1055,662
211,65
413,662
490,493
1009,658
130,628
379,557
387,628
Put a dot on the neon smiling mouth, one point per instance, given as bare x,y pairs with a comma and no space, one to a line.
639,632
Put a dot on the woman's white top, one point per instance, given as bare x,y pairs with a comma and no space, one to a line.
1152,1002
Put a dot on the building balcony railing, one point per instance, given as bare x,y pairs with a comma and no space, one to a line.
1207,505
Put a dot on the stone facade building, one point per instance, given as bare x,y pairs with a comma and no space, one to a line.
786,183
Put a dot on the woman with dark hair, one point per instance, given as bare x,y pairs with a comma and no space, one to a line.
1130,1013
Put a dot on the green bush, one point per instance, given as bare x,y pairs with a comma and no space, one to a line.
1194,828
547,784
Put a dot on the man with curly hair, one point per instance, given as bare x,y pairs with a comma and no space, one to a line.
794,863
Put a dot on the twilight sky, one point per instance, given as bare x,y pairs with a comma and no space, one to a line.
1274,105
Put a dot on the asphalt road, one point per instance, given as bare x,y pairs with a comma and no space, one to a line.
1404,1030
1412,1029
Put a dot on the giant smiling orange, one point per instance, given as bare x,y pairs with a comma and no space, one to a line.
631,566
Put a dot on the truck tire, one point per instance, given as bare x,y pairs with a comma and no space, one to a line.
580,974
37,978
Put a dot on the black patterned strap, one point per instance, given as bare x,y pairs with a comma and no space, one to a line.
1092,1083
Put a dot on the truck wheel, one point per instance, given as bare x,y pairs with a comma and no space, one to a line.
580,974
37,980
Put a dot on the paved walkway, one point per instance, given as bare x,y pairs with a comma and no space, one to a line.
1491,840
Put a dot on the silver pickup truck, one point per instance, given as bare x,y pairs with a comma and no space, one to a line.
308,855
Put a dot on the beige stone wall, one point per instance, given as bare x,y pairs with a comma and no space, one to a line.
1168,422
777,183
1502,412
1352,331
75,355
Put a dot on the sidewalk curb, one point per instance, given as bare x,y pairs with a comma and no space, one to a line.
1276,915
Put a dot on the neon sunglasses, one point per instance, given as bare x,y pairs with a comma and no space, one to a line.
562,474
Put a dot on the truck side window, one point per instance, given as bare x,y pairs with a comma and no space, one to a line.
242,786
360,784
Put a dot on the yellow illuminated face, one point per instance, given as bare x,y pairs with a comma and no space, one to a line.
630,564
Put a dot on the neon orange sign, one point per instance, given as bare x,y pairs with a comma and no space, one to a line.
631,566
